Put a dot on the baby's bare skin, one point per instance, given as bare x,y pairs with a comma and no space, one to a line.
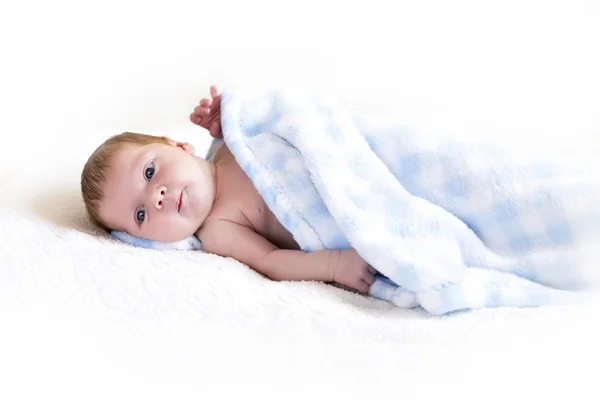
241,226
239,202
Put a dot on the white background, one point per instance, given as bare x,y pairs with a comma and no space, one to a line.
73,73
73,70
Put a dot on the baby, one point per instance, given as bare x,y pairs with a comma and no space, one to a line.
156,188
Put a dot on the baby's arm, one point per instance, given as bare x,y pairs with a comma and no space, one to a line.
245,245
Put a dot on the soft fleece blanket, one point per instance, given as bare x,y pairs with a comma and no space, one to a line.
450,225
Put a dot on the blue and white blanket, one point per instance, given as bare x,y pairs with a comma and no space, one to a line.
448,224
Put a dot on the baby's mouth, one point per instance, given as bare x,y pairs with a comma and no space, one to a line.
179,201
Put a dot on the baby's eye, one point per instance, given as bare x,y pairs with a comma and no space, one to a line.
149,171
140,214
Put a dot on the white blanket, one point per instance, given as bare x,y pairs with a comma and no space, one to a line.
450,224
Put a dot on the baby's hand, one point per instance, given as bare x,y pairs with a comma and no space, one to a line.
208,114
352,271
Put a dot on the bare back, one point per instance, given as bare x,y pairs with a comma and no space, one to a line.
239,202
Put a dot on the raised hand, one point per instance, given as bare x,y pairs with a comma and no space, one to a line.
208,113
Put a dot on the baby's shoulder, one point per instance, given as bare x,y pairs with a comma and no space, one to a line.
220,235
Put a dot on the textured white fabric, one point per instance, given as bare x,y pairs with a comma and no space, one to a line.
80,309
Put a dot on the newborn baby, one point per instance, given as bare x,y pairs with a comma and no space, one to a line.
156,188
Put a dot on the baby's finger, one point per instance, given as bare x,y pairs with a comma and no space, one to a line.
363,287
368,278
213,91
371,270
195,118
215,130
206,102
201,110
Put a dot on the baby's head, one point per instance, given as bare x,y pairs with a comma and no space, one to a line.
148,186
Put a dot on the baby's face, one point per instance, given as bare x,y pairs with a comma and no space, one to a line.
158,192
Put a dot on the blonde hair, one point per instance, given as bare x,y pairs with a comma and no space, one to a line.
93,176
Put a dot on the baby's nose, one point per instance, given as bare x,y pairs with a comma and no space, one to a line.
159,197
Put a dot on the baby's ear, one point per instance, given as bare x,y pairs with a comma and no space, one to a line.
185,146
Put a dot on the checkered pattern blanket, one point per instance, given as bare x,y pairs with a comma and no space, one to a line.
449,224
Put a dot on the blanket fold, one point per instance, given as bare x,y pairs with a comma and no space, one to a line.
449,224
